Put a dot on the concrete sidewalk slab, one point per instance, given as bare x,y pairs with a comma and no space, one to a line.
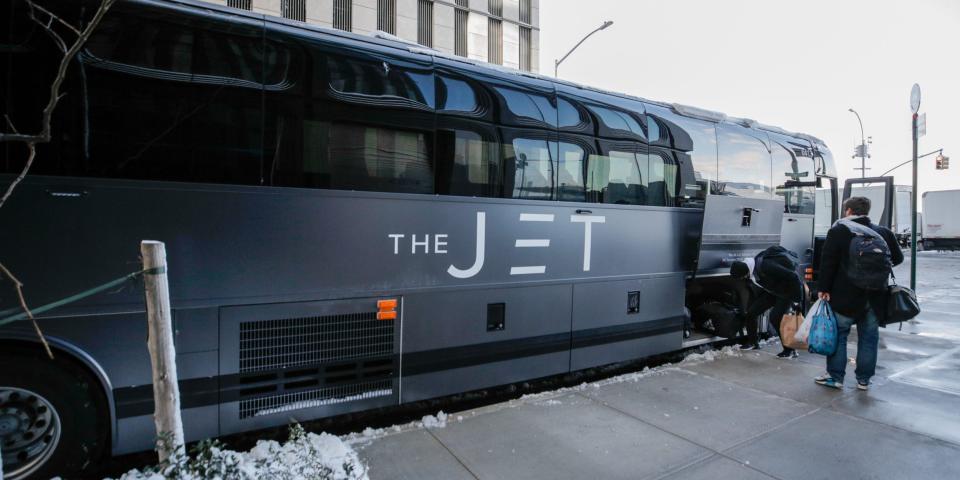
763,371
909,407
718,467
568,436
902,351
412,455
701,409
829,445
941,373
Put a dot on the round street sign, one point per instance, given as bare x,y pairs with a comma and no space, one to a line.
915,98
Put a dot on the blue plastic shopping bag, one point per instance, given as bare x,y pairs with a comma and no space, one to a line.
823,331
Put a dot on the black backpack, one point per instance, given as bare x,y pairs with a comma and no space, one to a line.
775,254
868,259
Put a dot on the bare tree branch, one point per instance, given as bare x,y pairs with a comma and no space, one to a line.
58,19
32,147
44,135
23,304
69,53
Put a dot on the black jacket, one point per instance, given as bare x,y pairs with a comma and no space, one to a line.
846,298
779,277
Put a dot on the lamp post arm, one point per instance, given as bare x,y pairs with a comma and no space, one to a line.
556,64
861,123
908,161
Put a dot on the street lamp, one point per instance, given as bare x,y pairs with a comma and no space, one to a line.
556,63
862,151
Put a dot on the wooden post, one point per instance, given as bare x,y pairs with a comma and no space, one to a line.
166,392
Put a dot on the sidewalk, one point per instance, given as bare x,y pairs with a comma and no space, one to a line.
743,415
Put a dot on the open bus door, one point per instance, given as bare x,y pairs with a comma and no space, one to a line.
879,190
735,228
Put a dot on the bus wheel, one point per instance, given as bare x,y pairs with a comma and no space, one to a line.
51,422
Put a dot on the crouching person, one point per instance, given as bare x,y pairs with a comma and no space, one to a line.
777,286
855,267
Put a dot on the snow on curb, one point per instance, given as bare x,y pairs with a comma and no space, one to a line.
304,455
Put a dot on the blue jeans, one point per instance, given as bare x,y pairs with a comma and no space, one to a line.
868,336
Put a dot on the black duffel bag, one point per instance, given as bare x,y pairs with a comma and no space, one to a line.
719,319
902,305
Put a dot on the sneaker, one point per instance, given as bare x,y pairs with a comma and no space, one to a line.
788,354
828,381
863,387
751,346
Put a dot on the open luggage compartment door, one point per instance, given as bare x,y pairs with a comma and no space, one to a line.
880,192
735,228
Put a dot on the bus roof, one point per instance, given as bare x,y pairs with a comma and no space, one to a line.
384,39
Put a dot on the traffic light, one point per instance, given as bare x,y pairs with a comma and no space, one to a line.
943,163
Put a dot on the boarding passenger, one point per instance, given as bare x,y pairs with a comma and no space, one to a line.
855,285
778,286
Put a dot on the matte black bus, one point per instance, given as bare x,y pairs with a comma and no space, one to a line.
351,222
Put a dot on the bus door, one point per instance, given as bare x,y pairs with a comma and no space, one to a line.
879,190
735,228
794,182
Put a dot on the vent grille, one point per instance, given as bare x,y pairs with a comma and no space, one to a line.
305,362
294,9
425,22
315,398
272,344
387,16
241,4
267,394
526,55
343,14
525,9
495,41
461,16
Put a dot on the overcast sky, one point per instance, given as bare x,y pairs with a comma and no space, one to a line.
798,65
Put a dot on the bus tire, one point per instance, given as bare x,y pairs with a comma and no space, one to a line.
53,419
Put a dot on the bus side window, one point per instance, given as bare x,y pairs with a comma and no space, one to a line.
793,164
662,180
361,80
744,162
174,99
468,163
695,143
378,159
527,108
571,176
529,168
618,176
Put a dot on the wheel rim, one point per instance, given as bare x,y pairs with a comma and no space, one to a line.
29,431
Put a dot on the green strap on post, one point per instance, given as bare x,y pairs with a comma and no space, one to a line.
73,298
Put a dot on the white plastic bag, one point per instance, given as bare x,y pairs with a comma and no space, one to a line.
803,333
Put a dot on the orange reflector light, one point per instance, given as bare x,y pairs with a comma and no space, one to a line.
809,270
391,315
384,305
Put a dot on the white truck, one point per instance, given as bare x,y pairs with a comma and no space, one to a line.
900,221
941,220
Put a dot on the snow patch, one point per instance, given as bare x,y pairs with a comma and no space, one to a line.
435,421
712,355
304,455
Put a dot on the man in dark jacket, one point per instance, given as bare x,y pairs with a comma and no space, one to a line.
852,304
777,289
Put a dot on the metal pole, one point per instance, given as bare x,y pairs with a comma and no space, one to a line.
913,213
